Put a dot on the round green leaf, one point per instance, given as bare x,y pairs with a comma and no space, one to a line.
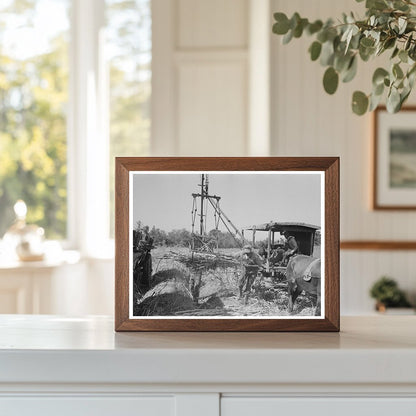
359,103
412,52
330,80
298,30
288,37
376,4
322,36
282,26
389,43
294,20
342,61
367,42
327,54
314,27
315,50
397,71
374,102
378,89
404,96
403,56
351,71
379,75
393,101
408,42
366,53
395,52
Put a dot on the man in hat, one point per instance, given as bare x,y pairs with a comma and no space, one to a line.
142,260
292,247
251,264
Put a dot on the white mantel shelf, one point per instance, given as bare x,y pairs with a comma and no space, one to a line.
369,351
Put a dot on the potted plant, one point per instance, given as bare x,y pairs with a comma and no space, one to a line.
389,27
387,294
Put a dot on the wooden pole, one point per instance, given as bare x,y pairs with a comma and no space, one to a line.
269,251
201,220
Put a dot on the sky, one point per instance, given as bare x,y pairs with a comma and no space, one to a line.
165,201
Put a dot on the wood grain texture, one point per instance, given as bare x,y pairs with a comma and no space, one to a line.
332,225
121,244
330,165
376,204
378,245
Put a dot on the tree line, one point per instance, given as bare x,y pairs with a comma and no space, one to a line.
183,237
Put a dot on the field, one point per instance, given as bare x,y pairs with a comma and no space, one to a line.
180,287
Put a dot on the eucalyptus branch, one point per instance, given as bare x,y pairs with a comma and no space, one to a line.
389,25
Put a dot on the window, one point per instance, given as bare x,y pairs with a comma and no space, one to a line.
33,103
75,87
129,45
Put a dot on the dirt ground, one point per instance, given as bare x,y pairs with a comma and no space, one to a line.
171,292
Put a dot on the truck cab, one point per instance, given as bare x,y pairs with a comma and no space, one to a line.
269,238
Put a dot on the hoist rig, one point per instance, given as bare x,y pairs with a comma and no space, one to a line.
203,241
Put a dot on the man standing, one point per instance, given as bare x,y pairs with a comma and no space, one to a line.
142,260
146,239
252,263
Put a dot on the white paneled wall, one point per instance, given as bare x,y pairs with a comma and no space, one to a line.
203,67
224,85
212,104
305,121
212,24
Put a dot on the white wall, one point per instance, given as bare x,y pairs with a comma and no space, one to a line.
211,93
308,122
200,77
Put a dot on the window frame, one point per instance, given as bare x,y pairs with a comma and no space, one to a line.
87,133
87,128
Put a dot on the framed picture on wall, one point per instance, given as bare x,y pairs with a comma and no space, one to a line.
227,244
394,178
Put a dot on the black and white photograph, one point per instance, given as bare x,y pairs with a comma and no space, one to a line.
226,245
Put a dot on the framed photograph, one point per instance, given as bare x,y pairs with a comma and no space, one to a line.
394,179
227,244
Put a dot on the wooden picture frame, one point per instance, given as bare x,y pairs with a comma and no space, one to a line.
394,184
127,186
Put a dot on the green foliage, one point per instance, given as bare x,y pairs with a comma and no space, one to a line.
33,100
315,50
331,80
389,26
34,104
386,291
130,82
359,103
282,25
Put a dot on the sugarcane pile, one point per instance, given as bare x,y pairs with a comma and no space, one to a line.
204,261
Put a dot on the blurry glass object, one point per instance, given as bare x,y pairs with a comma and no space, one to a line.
25,241
34,39
129,55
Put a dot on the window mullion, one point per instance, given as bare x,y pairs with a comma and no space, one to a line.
88,137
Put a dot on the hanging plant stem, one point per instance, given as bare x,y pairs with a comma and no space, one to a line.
389,26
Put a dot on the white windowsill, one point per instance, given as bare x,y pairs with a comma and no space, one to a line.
64,257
